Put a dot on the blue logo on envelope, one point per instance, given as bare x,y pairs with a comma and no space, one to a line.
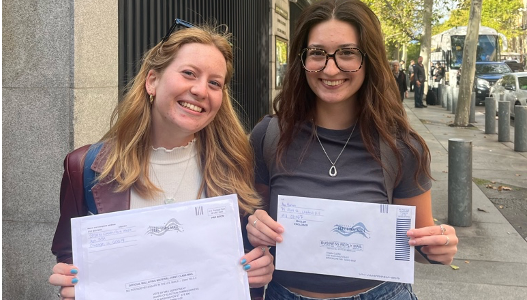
171,225
347,230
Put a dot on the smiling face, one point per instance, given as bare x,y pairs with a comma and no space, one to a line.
188,94
332,86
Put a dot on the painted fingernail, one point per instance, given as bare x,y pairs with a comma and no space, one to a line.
246,267
243,261
74,280
74,271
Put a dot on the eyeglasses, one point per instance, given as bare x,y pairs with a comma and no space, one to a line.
173,27
346,59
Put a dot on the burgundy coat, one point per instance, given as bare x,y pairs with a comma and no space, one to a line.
72,203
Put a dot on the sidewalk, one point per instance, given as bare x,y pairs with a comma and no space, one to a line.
492,256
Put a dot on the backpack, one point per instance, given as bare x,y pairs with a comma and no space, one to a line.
89,177
388,157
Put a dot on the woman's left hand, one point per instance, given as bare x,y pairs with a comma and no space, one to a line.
259,266
439,242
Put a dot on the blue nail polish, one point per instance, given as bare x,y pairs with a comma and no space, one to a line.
246,267
243,261
74,280
74,271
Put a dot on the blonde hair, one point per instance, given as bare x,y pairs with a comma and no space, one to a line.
226,157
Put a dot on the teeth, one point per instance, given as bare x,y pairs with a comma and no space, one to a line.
191,106
333,83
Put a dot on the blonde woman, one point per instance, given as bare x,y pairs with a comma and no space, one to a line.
175,137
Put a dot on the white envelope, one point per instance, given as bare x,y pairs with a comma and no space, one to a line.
180,251
345,238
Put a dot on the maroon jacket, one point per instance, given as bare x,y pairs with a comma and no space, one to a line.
72,203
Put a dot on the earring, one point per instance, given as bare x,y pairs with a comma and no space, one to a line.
151,98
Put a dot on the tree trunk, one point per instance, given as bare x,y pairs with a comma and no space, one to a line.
426,42
468,65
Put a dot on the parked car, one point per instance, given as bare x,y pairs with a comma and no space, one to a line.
514,87
487,73
514,65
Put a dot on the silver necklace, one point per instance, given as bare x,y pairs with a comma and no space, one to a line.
172,199
333,170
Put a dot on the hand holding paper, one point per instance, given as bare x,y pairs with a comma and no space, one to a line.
181,251
346,238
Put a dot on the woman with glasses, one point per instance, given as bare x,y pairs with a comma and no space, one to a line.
174,137
338,102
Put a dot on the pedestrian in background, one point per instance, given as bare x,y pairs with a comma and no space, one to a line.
402,66
411,74
174,137
420,78
338,101
400,79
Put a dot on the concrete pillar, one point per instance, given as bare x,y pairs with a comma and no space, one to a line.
504,121
490,115
459,182
455,95
449,98
472,117
520,128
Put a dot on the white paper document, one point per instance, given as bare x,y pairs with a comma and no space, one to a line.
179,251
345,238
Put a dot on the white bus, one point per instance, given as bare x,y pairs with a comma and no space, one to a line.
447,48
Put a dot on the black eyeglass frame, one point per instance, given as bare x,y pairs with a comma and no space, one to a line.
177,22
328,56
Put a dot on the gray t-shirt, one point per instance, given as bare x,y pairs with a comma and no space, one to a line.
360,178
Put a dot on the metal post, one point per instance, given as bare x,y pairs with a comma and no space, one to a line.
459,182
444,96
504,121
520,128
490,115
449,99
440,93
455,95
472,118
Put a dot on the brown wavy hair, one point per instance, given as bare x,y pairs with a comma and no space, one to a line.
380,112
226,158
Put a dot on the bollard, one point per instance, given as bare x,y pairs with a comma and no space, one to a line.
490,115
439,93
444,97
520,128
504,121
449,99
472,118
455,95
459,182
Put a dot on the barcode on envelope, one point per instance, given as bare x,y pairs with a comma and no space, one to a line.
384,208
402,248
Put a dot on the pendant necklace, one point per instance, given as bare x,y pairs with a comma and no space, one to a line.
333,169
169,200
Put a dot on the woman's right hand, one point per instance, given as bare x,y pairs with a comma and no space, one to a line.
64,275
262,230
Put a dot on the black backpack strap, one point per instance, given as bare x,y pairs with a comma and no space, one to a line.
390,168
89,177
272,135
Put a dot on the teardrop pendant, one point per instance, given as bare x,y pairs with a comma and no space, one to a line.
333,171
